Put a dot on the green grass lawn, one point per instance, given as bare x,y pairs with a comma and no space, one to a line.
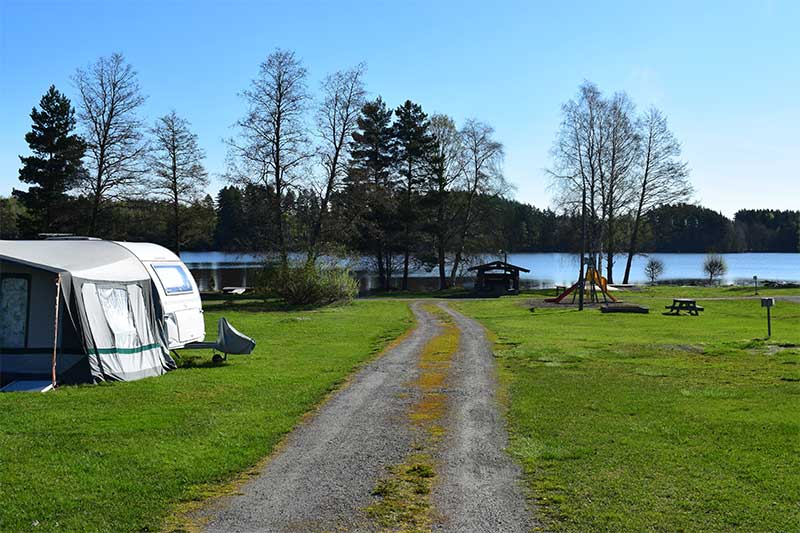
118,457
652,422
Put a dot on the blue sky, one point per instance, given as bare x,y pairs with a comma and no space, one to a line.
727,74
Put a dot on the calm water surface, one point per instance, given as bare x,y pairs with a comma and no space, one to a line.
220,269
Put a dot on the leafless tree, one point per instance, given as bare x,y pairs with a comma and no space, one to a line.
446,171
337,118
714,265
273,143
662,178
176,162
617,164
654,269
108,108
483,174
578,154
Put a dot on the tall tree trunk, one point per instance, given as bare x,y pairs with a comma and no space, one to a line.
611,248
631,250
323,208
95,211
454,270
635,233
381,269
175,207
581,277
440,237
405,269
407,228
442,269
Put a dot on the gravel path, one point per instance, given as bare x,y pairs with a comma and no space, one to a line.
480,487
324,475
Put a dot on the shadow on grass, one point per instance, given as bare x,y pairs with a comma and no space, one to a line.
197,361
262,306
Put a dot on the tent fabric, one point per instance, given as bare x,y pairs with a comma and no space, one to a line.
119,334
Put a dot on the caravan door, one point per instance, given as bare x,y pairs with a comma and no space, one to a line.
180,303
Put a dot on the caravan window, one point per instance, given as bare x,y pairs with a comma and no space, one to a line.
14,304
174,278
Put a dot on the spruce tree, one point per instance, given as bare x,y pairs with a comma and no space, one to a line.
371,186
415,148
54,166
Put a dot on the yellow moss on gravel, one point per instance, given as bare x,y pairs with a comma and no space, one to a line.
404,504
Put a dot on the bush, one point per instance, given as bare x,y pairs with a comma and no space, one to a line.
654,269
312,285
714,266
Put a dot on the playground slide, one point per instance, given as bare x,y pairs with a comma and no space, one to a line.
557,299
591,276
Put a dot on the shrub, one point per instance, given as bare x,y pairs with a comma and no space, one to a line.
654,269
714,266
312,285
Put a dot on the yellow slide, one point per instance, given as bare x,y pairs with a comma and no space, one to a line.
597,279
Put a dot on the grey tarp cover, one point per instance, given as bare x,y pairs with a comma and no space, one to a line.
108,295
229,340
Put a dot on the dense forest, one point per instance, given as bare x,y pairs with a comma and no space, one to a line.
336,173
238,220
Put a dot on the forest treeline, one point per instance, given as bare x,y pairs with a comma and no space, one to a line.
332,172
237,220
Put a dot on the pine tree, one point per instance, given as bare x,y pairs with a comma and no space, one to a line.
55,164
230,228
371,185
415,146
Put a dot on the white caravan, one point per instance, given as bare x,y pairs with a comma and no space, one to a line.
178,296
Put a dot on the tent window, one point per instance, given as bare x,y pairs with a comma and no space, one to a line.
116,308
174,278
14,310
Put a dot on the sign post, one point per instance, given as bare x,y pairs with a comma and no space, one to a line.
769,303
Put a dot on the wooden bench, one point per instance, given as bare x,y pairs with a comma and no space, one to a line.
683,304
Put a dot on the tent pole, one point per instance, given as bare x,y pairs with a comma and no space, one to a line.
55,327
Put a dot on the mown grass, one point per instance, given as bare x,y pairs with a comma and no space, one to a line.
652,422
118,457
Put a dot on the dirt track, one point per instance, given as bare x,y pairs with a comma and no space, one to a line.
323,478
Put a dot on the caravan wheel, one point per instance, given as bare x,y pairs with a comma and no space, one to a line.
217,358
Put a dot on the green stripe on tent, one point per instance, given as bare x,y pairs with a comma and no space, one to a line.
139,349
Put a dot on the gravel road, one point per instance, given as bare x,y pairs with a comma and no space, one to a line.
480,487
324,475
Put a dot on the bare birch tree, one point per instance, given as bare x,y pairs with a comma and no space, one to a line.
578,154
337,119
176,162
662,177
616,170
446,171
273,140
483,174
108,108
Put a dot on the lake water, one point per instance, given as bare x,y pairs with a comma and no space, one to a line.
220,269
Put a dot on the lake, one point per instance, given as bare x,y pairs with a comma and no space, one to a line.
220,269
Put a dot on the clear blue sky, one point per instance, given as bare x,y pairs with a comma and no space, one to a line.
727,74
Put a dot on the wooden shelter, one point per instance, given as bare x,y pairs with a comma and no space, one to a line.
498,277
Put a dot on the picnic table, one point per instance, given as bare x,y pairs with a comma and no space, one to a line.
683,304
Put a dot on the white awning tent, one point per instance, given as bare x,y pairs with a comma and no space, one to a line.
78,311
